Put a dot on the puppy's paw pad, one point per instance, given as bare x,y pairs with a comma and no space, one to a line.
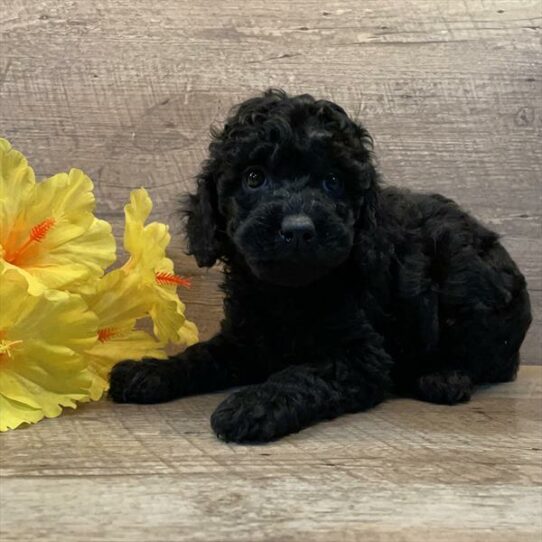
146,381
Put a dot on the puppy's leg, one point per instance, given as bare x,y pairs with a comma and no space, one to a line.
480,345
484,314
302,395
482,328
207,366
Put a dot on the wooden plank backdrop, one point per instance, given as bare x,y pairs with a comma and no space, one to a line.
127,90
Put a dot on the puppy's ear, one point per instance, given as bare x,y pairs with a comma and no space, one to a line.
368,179
368,182
353,137
368,218
201,210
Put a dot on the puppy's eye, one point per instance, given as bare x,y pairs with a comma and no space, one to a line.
332,184
254,178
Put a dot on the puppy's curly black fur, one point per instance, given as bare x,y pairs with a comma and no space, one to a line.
338,291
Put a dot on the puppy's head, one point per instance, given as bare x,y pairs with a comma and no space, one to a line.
287,183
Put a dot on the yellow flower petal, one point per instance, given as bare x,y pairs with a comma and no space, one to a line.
13,414
17,182
72,266
35,286
41,341
118,303
48,229
167,317
146,244
189,333
136,213
117,299
147,247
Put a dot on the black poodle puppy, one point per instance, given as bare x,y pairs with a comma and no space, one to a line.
338,291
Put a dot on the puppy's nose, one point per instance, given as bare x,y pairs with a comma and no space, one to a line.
297,228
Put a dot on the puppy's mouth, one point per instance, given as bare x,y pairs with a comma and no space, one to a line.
291,273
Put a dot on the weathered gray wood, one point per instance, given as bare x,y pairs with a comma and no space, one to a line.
126,90
405,471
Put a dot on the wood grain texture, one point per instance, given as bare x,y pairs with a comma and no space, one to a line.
127,90
405,471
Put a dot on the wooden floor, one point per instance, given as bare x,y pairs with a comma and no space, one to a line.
405,471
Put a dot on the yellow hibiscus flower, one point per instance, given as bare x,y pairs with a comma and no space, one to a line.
58,347
145,285
118,305
147,245
41,340
47,230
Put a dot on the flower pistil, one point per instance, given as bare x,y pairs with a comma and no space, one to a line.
170,279
106,333
37,234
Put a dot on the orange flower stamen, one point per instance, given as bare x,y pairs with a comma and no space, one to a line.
106,333
37,234
170,279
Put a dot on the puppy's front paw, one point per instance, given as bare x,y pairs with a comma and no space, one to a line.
145,381
255,414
